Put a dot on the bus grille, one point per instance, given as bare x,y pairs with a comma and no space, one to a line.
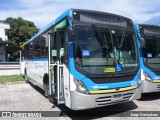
104,101
158,87
112,80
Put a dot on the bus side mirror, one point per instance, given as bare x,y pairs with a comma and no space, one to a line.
70,33
142,39
143,42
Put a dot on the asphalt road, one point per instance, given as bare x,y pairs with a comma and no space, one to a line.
27,99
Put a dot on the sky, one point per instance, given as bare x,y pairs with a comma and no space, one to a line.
42,12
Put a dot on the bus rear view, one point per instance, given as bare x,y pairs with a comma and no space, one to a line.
150,60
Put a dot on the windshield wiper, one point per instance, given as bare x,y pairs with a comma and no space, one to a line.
114,62
122,40
121,44
100,38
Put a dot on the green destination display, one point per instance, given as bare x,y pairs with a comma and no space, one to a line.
60,25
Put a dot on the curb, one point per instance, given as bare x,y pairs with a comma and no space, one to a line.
10,83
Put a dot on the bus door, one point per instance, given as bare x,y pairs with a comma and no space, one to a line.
56,58
52,65
60,37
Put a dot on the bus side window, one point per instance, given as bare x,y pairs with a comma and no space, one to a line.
44,43
37,48
31,50
42,46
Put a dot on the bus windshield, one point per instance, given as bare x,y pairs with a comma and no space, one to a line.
151,53
101,50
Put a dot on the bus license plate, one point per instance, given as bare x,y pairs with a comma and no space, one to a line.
117,97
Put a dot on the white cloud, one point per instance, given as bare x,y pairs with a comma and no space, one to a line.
41,12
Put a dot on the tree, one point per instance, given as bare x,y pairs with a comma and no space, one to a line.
20,31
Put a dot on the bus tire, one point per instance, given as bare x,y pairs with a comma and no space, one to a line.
25,76
46,85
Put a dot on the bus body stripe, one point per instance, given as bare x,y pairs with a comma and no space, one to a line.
112,90
38,59
156,81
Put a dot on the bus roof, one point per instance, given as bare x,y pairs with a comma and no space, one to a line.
63,15
150,29
84,10
149,25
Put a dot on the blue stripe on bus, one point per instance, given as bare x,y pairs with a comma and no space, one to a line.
38,59
6,63
88,82
73,71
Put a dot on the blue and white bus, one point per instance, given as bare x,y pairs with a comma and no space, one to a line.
85,59
150,57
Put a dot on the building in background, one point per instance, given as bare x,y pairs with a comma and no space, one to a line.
3,40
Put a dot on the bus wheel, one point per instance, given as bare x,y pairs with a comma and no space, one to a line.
46,85
25,76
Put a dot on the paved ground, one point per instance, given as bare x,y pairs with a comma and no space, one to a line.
26,97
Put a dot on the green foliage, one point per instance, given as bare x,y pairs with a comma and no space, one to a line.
11,78
20,31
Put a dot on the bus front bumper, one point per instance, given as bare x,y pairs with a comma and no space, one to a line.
149,87
81,101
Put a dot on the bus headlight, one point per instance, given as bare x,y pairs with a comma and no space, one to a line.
80,87
147,77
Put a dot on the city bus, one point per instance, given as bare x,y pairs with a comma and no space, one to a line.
85,59
150,57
